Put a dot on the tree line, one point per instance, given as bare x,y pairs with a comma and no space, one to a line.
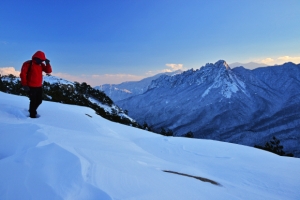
81,94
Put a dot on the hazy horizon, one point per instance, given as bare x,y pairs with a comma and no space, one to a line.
123,78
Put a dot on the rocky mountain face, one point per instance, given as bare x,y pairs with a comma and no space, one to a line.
234,105
125,90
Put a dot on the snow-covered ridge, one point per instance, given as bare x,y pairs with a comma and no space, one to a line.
107,108
47,78
72,153
227,80
54,79
219,75
235,105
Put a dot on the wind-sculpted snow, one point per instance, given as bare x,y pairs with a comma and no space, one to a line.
235,105
72,153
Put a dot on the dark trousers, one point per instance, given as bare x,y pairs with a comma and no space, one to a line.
36,97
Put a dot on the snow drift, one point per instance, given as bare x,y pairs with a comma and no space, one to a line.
72,153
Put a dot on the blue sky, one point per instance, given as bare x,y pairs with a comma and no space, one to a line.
111,41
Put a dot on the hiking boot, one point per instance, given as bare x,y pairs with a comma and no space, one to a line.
32,116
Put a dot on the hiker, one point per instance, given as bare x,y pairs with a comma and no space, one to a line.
32,79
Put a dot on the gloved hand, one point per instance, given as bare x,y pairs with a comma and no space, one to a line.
37,60
26,88
47,61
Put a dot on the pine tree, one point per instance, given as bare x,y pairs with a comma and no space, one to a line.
163,131
169,132
189,134
145,126
274,147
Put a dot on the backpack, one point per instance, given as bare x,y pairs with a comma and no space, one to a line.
29,68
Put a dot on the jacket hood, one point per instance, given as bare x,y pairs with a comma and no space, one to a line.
40,55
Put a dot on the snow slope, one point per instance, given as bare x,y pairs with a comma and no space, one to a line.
72,153
71,86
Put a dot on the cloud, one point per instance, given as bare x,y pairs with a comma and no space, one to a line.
9,70
267,60
172,68
175,67
280,60
290,59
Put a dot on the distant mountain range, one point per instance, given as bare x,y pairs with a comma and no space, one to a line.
216,102
128,89
250,65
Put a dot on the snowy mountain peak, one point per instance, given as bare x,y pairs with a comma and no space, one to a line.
222,63
225,81
211,76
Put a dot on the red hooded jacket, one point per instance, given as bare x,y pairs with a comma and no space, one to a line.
33,77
